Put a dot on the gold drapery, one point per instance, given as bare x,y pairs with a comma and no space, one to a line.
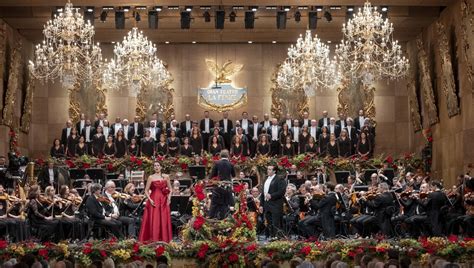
430,109
467,32
74,105
352,96
414,107
27,105
13,84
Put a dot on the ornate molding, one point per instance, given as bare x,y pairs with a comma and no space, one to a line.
467,29
3,49
414,107
74,105
352,95
368,93
447,75
164,107
426,84
101,105
27,105
13,84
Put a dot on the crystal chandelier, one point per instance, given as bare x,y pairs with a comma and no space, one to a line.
308,66
135,65
368,51
67,51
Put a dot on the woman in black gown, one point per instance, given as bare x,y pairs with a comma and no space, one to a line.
120,145
72,141
46,225
98,142
215,147
363,146
284,133
323,141
344,144
148,145
133,148
311,147
186,149
109,148
237,148
332,147
304,138
196,141
263,147
288,149
81,147
57,150
162,146
173,144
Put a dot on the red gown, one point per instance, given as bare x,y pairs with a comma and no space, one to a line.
156,221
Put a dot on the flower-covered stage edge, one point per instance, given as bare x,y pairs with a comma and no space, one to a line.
236,252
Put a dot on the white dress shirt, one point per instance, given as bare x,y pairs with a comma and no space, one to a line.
268,182
51,176
332,129
106,132
325,121
343,124
206,125
68,132
125,132
274,133
349,131
288,122
266,124
296,134
361,121
255,131
135,127
153,132
117,126
245,125
306,122
188,126
88,133
114,205
82,123
225,124
101,123
313,132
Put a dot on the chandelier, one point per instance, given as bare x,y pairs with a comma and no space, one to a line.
368,51
135,65
67,51
308,66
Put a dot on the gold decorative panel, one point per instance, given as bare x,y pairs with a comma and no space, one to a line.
3,50
74,105
447,76
430,109
414,107
294,102
467,33
101,106
158,100
13,84
27,105
353,95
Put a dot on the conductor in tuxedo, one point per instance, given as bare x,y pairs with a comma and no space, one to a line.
222,199
272,199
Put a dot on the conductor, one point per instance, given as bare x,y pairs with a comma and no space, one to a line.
222,199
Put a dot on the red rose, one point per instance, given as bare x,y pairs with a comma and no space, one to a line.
251,248
453,238
160,158
139,162
133,159
70,164
198,222
238,188
243,158
202,251
86,165
3,244
99,161
305,250
184,166
159,251
430,139
110,167
270,254
204,161
233,258
389,159
136,247
43,253
351,254
381,250
200,196
103,253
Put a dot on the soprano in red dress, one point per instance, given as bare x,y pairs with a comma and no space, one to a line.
156,222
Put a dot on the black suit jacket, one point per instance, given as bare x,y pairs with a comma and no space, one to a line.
157,134
137,132
321,122
337,130
357,123
130,133
230,125
44,177
182,126
91,133
202,125
277,192
64,136
252,129
338,122
224,170
269,132
94,208
78,126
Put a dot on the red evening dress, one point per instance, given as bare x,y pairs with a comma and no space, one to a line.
156,221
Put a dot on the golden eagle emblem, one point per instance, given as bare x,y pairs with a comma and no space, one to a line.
222,73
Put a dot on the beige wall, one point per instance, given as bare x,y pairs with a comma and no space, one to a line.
453,138
187,65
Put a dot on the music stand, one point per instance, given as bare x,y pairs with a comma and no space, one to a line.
81,183
96,174
360,188
389,173
197,172
181,204
293,179
76,174
185,182
111,176
254,180
367,174
81,191
341,176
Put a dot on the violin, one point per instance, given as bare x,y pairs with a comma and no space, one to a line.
117,195
103,199
137,198
45,200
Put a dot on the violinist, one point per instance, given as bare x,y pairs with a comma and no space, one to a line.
114,211
362,222
97,213
16,216
68,205
292,206
5,225
46,226
130,205
380,204
253,201
416,214
435,200
307,226
468,219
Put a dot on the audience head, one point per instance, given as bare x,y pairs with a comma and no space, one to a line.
330,186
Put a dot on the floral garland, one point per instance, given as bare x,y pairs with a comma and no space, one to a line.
228,252
303,162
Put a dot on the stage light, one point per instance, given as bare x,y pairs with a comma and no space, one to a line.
167,42
194,42
350,8
119,19
238,7
297,16
384,8
185,20
137,16
384,12
274,42
335,7
220,18
250,42
319,8
205,7
281,19
349,13
207,16
173,7
271,7
89,14
153,19
328,16
189,8
126,9
302,7
56,12
158,8
312,20
140,7
254,8
287,8
249,19
232,16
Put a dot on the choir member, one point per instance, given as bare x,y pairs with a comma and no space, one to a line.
127,130
352,133
363,146
88,132
81,147
66,132
109,147
186,149
106,128
155,131
237,149
305,121
81,124
148,145
162,146
254,132
227,126
303,139
57,150
287,120
274,132
244,141
120,144
288,148
116,126
311,147
133,148
137,128
341,123
206,125
174,127
266,123
100,120
215,146
186,126
72,141
344,144
215,133
323,140
169,124
196,141
332,149
314,129
98,142
263,147
359,121
284,133
324,121
333,128
245,122
296,130
173,144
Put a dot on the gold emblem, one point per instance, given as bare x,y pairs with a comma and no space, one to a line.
222,73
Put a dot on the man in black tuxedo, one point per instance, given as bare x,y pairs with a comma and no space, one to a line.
186,126
49,176
314,130
100,120
254,132
305,120
433,204
81,124
296,130
226,124
66,132
222,199
153,118
380,204
174,126
266,123
327,208
137,128
88,132
272,200
155,132
352,133
341,122
98,215
245,122
168,124
116,126
274,132
333,128
324,121
206,125
127,130
359,120
287,120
